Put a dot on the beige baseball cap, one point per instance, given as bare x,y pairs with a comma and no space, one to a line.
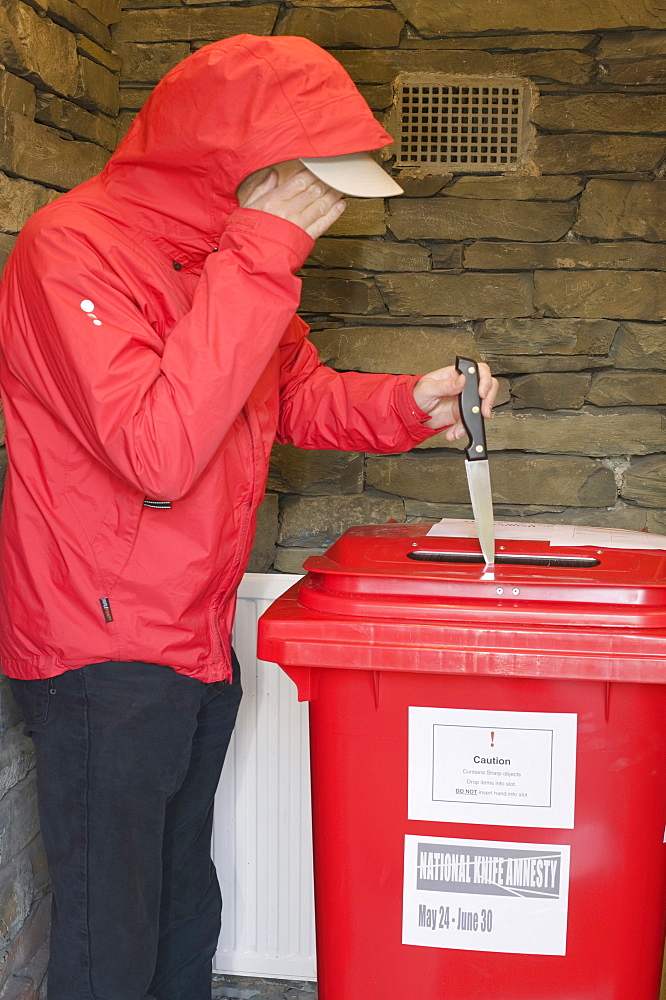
356,174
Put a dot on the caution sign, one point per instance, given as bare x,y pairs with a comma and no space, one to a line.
485,896
498,768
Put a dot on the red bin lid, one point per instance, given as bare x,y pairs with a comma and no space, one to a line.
401,572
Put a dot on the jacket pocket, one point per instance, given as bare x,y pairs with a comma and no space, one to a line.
32,698
110,534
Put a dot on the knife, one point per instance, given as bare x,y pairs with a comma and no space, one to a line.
476,464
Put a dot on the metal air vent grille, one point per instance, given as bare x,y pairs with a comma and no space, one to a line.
471,125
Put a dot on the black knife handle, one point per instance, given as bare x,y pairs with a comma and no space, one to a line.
470,410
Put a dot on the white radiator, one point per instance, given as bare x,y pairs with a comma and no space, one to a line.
262,838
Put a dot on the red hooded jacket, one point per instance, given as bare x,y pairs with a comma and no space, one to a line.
150,357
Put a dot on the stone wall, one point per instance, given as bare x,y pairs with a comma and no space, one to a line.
556,274
59,87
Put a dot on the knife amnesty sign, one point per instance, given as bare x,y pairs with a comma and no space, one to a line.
481,895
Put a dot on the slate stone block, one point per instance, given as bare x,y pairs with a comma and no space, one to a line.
312,522
645,482
611,294
333,28
473,296
449,218
620,210
432,16
523,479
409,350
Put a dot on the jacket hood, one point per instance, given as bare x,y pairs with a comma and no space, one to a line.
229,109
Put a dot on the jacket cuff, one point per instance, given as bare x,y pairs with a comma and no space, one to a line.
412,415
274,229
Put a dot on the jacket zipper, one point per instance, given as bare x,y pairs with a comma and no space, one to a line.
242,536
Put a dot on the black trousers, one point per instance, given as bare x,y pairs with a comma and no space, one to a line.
129,757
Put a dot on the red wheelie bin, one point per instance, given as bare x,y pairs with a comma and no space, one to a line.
488,751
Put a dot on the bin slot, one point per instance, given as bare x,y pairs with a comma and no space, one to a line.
578,562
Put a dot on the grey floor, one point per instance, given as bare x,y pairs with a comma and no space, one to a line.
241,988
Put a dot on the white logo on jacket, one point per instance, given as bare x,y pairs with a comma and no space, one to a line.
89,308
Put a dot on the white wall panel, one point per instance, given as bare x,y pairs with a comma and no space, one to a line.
262,839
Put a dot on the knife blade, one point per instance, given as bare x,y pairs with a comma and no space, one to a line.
476,463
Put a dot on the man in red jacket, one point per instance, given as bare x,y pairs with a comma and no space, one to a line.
150,356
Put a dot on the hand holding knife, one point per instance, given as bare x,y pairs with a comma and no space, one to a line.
476,464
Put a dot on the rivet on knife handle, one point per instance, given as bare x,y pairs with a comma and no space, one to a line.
470,410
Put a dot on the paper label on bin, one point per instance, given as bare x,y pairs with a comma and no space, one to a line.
482,895
562,535
492,768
